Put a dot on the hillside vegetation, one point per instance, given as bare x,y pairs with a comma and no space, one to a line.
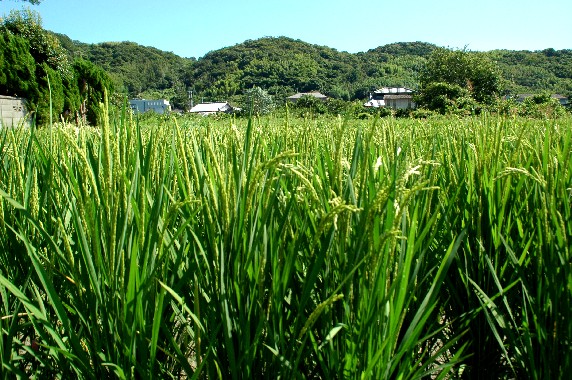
284,66
136,70
279,65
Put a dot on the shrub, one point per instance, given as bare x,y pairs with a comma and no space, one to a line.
257,101
309,103
541,106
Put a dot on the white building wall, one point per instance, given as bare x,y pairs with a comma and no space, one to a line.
143,105
13,112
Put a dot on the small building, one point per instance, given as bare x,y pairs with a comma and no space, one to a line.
13,112
159,106
399,102
294,98
212,108
404,98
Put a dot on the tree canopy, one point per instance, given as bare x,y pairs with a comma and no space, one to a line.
458,79
34,65
473,71
282,66
257,101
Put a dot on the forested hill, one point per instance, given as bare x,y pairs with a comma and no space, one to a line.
283,66
137,70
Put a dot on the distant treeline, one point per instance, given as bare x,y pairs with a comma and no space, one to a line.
78,72
283,66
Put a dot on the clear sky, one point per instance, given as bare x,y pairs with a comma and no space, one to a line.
191,28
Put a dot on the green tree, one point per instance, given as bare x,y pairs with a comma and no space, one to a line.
92,82
35,66
72,97
44,46
472,71
51,100
17,67
258,100
310,103
446,98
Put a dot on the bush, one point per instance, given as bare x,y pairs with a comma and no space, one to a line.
541,106
309,103
50,103
422,113
257,100
337,106
442,97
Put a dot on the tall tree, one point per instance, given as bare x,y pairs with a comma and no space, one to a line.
92,82
34,65
17,67
258,101
44,46
473,71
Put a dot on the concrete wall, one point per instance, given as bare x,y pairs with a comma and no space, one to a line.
399,102
12,111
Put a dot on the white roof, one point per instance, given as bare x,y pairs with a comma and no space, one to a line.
394,90
211,107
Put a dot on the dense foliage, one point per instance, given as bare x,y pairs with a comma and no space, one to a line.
257,101
283,66
453,79
287,247
280,66
531,72
138,71
35,66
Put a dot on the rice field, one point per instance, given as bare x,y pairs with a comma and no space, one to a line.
284,247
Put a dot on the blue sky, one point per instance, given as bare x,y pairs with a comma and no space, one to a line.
191,28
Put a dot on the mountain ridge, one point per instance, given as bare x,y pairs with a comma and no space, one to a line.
283,65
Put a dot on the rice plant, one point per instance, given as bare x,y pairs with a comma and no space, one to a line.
286,247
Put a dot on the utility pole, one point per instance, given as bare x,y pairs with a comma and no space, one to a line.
190,92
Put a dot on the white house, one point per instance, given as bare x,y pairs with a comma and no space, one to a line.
156,105
211,108
400,97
